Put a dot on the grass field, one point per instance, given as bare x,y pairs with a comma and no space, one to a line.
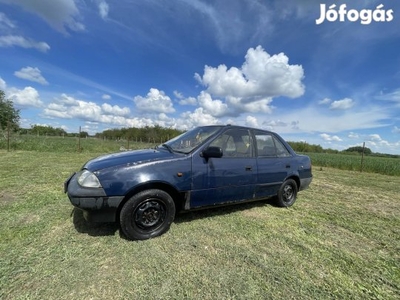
341,240
68,144
380,165
371,164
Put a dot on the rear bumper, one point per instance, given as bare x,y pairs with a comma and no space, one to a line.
96,205
305,183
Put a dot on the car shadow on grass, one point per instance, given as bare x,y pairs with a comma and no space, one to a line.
109,229
222,210
91,228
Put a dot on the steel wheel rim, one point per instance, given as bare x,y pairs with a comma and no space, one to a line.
288,193
149,214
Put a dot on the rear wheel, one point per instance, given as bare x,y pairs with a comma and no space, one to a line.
147,214
287,193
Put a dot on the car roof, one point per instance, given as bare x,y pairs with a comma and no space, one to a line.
246,127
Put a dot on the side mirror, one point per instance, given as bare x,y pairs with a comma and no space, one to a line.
212,152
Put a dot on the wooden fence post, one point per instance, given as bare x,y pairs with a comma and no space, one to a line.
79,140
362,158
8,136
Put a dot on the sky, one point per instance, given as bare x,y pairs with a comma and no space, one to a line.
322,72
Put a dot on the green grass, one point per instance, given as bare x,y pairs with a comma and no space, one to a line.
371,164
341,240
67,144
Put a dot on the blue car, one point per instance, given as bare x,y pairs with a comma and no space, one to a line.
204,167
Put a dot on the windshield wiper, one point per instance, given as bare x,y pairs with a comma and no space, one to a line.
168,147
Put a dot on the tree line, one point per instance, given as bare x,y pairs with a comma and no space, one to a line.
149,134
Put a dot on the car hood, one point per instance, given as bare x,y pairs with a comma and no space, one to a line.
128,158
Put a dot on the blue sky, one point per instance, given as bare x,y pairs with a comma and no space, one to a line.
103,64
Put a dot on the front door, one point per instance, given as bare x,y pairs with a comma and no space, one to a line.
229,178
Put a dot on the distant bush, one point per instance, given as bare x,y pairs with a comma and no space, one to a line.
359,149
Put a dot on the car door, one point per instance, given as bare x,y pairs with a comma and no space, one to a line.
229,178
274,163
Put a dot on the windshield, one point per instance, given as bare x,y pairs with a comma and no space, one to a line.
189,140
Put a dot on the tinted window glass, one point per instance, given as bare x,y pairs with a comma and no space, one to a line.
265,144
281,150
235,143
189,140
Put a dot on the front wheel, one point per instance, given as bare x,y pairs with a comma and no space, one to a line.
147,214
287,193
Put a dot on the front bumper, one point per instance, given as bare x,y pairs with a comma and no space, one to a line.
96,205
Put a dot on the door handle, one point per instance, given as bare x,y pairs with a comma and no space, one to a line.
287,166
248,168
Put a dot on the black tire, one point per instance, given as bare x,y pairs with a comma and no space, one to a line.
287,193
147,214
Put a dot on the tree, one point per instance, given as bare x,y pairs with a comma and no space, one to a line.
359,149
8,114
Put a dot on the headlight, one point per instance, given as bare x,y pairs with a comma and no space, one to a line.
88,179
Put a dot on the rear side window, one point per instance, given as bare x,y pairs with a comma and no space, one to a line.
270,146
281,150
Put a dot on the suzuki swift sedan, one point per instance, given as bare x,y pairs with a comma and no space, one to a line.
207,166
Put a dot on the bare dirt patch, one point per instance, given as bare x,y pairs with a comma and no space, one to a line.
6,198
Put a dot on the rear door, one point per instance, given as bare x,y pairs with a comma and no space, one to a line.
274,163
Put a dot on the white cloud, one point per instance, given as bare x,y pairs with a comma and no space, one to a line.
392,96
251,121
353,135
253,23
215,108
103,9
378,144
5,22
155,102
31,74
188,101
329,138
60,14
106,97
3,84
256,106
311,119
260,76
67,107
26,97
375,137
325,101
14,40
250,88
343,104
395,129
183,100
273,123
178,95
197,118
115,110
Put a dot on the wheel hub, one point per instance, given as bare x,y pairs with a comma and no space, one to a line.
149,214
288,193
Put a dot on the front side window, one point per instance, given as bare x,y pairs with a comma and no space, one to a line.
235,143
